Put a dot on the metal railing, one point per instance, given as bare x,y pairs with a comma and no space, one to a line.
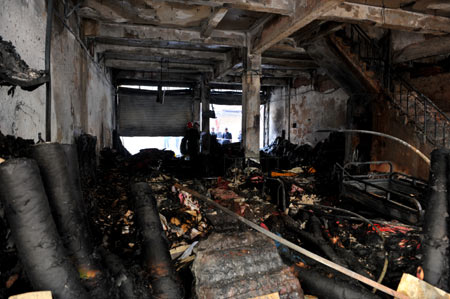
433,123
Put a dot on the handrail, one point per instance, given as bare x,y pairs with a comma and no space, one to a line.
431,112
404,82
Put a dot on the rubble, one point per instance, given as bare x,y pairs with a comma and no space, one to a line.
288,202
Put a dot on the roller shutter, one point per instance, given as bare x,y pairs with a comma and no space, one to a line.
141,115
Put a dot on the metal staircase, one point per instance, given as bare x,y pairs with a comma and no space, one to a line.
372,60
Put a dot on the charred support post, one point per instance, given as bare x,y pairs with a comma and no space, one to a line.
205,96
154,247
34,231
196,101
251,83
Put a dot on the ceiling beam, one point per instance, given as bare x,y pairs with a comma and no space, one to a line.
237,80
165,61
133,77
291,63
427,48
148,66
147,33
213,20
282,7
281,27
160,52
397,19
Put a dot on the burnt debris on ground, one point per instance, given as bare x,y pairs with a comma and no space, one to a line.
131,200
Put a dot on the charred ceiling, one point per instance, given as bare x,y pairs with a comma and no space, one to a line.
213,37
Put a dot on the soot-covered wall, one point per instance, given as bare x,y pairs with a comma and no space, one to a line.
82,96
306,109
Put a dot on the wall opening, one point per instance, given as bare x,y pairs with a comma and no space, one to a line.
135,144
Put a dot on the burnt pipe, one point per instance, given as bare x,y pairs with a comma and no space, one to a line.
436,243
324,287
154,244
38,243
59,169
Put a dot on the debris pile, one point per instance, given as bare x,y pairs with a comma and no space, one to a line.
214,254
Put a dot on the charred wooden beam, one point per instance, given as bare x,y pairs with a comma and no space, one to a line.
282,7
161,52
283,26
157,44
292,64
164,60
122,64
237,81
134,77
397,19
213,20
154,33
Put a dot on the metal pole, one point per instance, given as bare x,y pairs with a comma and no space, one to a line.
48,85
425,158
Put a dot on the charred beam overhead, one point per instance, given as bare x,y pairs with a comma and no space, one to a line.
305,63
153,33
122,64
135,77
161,52
388,18
282,7
161,44
165,61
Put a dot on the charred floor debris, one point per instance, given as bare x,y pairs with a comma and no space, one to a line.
142,226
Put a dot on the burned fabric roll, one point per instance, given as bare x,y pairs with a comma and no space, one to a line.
436,243
64,198
59,169
155,248
330,288
37,241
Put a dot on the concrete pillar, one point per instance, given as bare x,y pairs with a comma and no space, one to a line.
251,84
205,97
196,103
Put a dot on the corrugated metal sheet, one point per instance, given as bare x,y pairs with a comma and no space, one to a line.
141,115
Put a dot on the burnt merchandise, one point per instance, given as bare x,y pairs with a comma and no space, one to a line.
38,243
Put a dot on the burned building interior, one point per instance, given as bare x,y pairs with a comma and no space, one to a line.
332,182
